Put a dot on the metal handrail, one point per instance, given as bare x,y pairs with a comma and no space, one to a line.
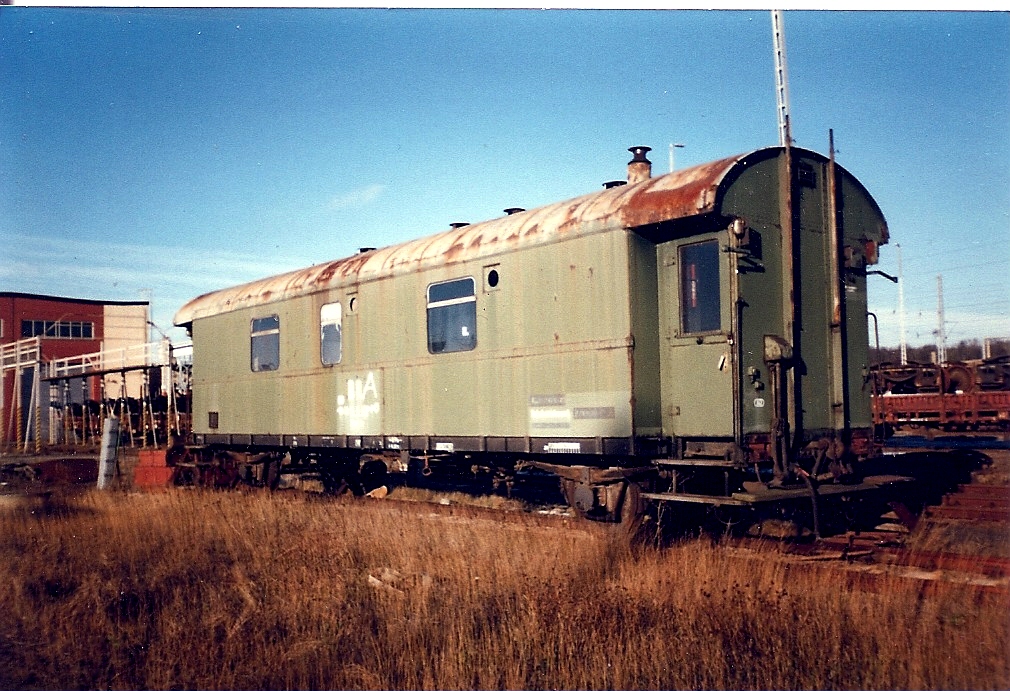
25,352
114,360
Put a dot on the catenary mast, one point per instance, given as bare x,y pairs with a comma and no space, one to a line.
781,78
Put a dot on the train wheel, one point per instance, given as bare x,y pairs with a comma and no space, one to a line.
374,474
418,471
272,471
883,431
575,501
337,476
225,474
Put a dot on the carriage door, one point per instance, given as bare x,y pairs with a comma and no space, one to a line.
696,360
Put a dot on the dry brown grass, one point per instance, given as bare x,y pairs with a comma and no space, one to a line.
428,496
190,589
971,538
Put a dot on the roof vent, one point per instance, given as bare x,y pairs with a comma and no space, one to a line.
639,167
514,210
458,224
614,183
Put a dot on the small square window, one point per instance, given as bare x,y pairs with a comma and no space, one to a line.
806,175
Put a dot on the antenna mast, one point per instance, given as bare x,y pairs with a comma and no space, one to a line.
781,78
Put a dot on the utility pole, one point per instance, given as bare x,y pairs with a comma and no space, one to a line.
941,333
901,310
786,425
148,295
781,78
672,147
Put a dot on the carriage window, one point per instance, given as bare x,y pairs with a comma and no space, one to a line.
452,316
330,333
699,287
806,175
265,344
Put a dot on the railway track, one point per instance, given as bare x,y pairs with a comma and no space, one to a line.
964,538
880,548
974,502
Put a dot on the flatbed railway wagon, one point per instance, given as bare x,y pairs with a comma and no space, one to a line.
695,338
973,395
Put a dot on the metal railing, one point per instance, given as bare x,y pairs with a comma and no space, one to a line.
23,353
113,360
21,418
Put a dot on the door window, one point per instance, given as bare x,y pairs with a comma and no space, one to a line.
699,287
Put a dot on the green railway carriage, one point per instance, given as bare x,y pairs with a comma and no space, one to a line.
714,312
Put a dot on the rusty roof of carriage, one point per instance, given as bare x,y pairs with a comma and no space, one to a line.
689,192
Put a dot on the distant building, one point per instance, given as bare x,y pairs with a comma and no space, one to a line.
68,327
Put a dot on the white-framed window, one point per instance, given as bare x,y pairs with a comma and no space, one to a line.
265,344
452,316
57,329
330,333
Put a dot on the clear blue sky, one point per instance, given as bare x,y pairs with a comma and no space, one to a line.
178,151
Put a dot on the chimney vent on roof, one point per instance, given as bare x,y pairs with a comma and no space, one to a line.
514,210
614,183
458,224
639,167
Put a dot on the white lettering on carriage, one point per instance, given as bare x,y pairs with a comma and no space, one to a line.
360,403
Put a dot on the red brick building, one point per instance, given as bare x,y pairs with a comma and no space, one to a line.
67,327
